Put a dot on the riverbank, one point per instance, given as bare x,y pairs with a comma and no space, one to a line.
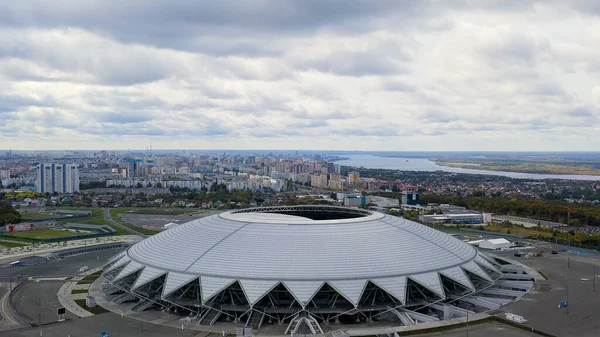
528,168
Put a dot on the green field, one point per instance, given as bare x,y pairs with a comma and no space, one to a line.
43,233
11,244
96,219
79,291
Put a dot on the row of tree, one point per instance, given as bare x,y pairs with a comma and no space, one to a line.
548,210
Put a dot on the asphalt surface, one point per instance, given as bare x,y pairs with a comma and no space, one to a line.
68,266
107,322
158,221
540,307
38,301
108,218
487,329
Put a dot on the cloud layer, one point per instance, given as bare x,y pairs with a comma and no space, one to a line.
270,74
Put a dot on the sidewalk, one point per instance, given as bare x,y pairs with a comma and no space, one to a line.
67,299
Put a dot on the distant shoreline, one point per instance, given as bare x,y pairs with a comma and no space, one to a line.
529,168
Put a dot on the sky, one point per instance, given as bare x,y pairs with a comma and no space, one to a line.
461,75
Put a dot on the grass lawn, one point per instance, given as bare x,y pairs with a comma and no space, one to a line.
79,291
10,244
519,231
96,219
43,233
95,310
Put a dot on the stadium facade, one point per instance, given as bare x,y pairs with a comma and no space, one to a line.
297,265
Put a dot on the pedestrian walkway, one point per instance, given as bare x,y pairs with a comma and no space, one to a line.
67,299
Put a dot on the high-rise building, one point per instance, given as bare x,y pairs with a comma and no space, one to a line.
353,177
61,178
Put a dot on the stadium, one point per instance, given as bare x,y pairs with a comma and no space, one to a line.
310,265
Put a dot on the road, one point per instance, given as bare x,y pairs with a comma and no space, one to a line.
108,218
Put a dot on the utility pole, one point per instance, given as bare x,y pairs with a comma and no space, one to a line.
40,315
467,319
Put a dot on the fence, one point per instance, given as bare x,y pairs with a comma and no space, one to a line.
26,321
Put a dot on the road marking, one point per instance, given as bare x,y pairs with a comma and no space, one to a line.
7,313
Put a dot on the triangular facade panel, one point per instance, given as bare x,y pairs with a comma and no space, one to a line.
303,291
121,262
395,286
483,262
212,285
175,281
131,268
457,275
256,289
430,281
490,260
147,275
350,289
472,267
116,257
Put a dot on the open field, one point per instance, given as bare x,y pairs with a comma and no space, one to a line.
519,231
96,219
43,233
12,244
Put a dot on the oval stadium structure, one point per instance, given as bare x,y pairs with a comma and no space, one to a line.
311,264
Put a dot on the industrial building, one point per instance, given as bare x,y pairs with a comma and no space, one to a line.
457,219
308,265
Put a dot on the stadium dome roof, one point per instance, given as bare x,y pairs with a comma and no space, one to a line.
302,248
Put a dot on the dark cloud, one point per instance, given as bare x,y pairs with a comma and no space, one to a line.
581,112
10,103
122,118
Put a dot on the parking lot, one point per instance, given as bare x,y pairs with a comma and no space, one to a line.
540,307
157,221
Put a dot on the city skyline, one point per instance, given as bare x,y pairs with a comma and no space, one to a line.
384,75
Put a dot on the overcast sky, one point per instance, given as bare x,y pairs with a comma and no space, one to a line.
316,74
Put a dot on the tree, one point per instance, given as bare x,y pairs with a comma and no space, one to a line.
158,185
8,214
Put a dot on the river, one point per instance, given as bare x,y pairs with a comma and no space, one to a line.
422,164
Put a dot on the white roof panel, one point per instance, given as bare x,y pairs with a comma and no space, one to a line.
350,289
483,262
256,289
175,281
213,285
430,281
472,267
395,286
298,251
458,275
303,291
147,275
131,268
121,262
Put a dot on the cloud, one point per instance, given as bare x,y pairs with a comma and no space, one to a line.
580,112
462,75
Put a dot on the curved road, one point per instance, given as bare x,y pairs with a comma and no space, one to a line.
108,218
